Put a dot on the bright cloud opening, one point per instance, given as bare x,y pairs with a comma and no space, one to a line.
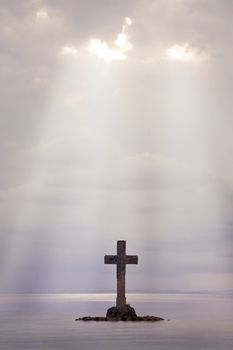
69,51
123,43
42,14
128,21
184,53
102,50
117,51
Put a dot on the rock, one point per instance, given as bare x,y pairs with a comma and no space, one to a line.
151,318
121,314
89,318
137,319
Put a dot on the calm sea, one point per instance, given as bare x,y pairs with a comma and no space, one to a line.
47,321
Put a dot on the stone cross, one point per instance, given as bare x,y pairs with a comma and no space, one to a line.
121,259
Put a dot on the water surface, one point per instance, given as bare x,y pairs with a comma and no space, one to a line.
46,321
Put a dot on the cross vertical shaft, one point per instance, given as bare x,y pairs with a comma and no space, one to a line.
121,270
121,259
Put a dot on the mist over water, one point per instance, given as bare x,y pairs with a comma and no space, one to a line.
47,321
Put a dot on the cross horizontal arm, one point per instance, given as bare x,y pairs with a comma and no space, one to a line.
131,259
110,259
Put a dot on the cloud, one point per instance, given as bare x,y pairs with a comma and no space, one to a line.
42,14
185,53
101,49
118,51
69,51
140,150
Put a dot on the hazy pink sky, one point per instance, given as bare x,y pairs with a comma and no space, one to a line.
116,123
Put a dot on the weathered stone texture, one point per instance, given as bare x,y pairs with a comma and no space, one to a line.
121,314
121,259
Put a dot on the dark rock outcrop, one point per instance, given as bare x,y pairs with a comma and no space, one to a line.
121,314
148,318
89,318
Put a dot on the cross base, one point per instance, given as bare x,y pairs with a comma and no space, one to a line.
127,313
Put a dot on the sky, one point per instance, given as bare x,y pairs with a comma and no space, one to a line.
116,123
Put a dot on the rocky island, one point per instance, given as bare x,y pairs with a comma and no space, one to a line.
121,314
